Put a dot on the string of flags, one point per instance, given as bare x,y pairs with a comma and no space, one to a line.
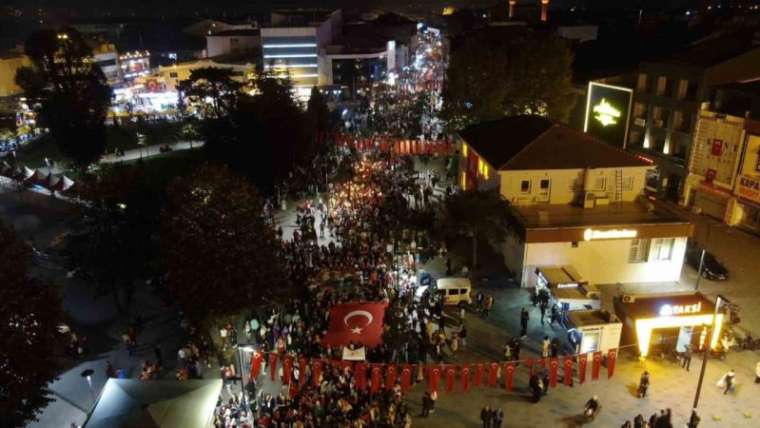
453,377
394,145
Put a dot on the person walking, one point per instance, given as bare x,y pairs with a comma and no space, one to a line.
686,361
485,416
498,419
729,379
463,336
542,308
425,404
639,422
693,420
545,347
524,317
757,373
643,385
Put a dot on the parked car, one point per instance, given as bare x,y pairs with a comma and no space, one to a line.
712,269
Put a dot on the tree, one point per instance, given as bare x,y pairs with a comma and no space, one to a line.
69,91
317,111
492,74
215,84
475,214
265,136
115,242
30,313
221,254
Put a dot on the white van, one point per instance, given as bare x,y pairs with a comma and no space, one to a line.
454,290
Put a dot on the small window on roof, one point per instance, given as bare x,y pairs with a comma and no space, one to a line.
453,291
525,186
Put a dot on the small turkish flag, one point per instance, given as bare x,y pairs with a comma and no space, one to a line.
478,375
509,375
316,372
493,370
596,365
434,373
361,376
287,367
302,364
553,368
611,358
375,379
273,365
451,373
465,378
406,378
256,364
390,377
568,364
529,364
582,363
356,322
541,363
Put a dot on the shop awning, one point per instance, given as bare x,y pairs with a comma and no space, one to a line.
560,276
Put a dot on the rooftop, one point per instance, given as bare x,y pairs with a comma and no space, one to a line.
618,214
241,32
716,48
534,142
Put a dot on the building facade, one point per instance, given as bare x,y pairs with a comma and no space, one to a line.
232,42
577,205
668,98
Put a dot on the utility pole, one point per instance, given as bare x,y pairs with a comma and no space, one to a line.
708,341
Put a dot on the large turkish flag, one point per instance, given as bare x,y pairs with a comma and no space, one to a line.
356,322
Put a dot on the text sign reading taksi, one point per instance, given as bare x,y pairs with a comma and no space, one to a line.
591,234
670,310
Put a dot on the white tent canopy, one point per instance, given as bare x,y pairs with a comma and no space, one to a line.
131,403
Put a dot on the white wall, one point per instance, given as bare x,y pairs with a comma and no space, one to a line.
603,261
222,45
566,185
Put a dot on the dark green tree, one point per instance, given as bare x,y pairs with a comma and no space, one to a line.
30,313
496,72
69,91
211,83
221,254
115,242
317,111
477,215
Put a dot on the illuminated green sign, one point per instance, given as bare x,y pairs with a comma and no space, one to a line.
605,113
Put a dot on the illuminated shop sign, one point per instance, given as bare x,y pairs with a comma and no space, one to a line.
670,310
607,112
591,234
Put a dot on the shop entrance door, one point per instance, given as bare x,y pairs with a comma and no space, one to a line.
684,338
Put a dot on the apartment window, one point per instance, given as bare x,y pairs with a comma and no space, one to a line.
639,251
464,150
683,87
600,183
657,116
662,249
635,137
640,111
628,183
525,186
483,168
662,82
173,75
641,85
544,184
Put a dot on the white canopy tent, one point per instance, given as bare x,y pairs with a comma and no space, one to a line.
131,403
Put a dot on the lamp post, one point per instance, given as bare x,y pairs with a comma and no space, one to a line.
87,376
718,301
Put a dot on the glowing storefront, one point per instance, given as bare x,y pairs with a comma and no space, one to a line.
662,324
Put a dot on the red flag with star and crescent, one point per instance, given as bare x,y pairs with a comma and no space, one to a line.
406,378
356,322
390,376
273,365
465,378
478,379
611,358
567,363
509,375
582,362
375,378
256,360
553,369
361,376
596,365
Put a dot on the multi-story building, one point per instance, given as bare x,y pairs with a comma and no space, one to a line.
577,205
667,101
9,64
292,43
233,42
724,173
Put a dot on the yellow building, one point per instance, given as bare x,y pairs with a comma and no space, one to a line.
8,67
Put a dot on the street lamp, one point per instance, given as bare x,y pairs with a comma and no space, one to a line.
719,300
87,375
